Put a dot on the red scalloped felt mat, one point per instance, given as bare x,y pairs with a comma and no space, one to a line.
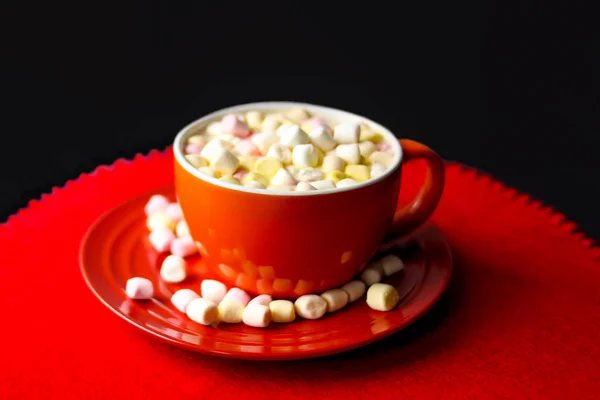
521,318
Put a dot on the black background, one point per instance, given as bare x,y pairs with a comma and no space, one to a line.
509,87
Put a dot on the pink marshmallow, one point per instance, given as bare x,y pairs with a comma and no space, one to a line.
263,300
155,204
234,126
246,147
161,239
174,211
315,122
193,148
139,288
240,174
183,246
236,294
182,298
383,146
212,290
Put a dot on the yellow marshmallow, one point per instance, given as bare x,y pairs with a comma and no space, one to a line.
230,179
196,160
267,166
359,173
282,311
231,311
297,115
335,176
367,133
382,297
247,161
209,171
254,176
381,157
254,119
160,219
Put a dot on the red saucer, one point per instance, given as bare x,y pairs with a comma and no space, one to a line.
117,248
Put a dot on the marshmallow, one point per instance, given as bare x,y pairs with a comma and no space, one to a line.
231,311
322,139
346,133
282,311
209,171
247,161
161,239
246,147
377,170
297,115
283,178
304,187
371,276
292,135
236,294
345,183
240,174
212,290
225,162
254,185
156,203
173,269
214,129
382,297
192,148
139,288
314,122
254,119
174,211
309,175
212,148
310,306
262,299
182,229
264,140
366,133
230,179
255,176
305,155
324,184
293,170
349,153
257,315
280,152
232,124
335,176
391,264
359,173
380,157
367,148
270,124
182,298
197,139
229,141
384,146
196,160
183,246
335,299
333,163
267,166
160,219
202,311
355,289
376,265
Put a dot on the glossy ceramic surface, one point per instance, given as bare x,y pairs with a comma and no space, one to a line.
117,248
288,245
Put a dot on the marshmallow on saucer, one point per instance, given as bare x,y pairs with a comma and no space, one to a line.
355,289
173,269
139,288
310,306
202,311
213,290
182,298
335,299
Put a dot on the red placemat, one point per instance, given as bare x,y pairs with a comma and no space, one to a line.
521,318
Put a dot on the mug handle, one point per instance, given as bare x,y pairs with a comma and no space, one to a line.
414,214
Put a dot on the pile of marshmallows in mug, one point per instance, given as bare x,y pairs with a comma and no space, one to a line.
216,303
291,151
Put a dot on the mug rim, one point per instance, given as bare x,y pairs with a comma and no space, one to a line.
183,134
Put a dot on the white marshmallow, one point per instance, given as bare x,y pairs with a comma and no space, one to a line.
212,148
283,178
305,155
367,148
382,157
391,264
292,135
254,185
324,184
348,152
335,299
377,170
139,288
202,311
225,162
322,139
355,289
214,129
346,133
371,276
270,124
182,298
333,163
346,182
257,315
264,140
304,187
280,152
173,269
212,290
254,119
310,306
309,174
293,170
382,297
297,115
208,171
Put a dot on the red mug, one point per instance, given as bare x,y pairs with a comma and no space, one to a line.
292,243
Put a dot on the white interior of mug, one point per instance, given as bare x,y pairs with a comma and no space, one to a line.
330,115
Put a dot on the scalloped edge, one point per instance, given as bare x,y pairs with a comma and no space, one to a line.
557,218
